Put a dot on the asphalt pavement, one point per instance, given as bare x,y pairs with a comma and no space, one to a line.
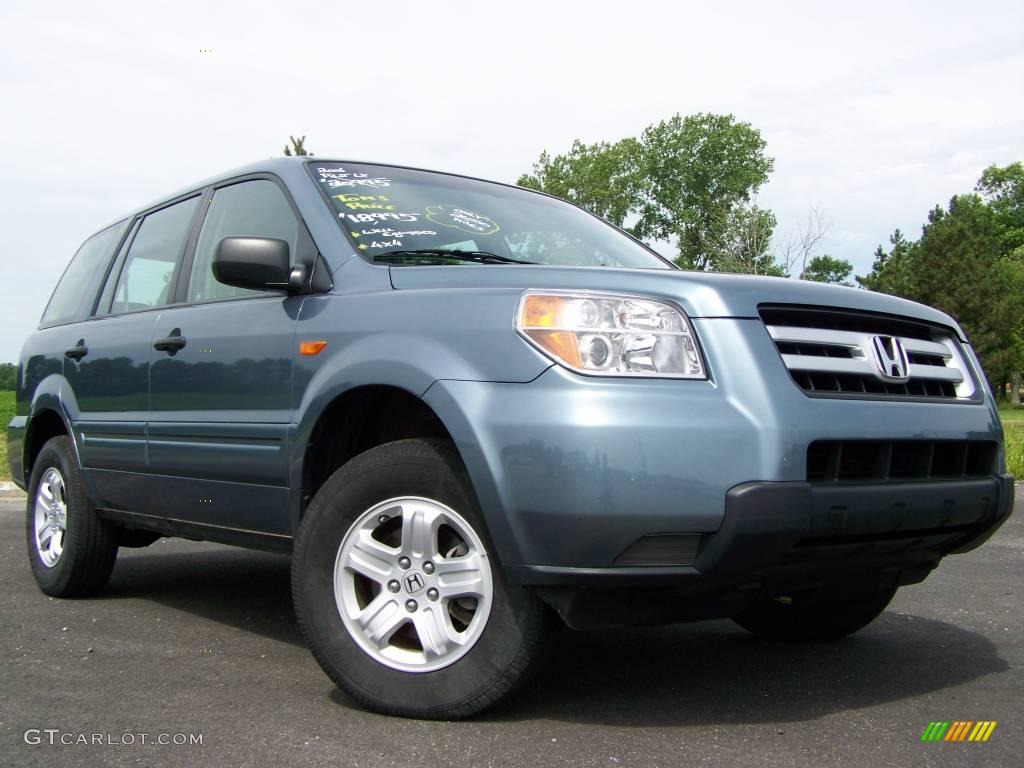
194,641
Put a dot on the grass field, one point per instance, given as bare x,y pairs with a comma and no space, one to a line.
1013,429
6,412
1013,425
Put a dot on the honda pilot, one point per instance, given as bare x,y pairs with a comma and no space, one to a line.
473,412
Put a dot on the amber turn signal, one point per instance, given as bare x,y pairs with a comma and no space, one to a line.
311,347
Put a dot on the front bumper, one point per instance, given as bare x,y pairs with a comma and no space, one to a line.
778,536
780,539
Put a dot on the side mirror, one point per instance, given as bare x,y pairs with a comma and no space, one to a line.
259,263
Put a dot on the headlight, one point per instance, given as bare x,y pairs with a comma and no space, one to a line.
610,335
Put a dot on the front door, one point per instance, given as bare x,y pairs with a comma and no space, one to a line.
221,377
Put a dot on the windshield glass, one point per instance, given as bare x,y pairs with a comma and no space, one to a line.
384,209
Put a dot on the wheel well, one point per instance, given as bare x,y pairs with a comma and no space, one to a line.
361,419
41,427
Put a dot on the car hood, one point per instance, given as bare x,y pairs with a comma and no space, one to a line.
701,294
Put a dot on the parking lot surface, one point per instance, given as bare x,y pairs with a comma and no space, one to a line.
198,639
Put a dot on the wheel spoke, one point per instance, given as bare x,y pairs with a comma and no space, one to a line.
381,618
56,544
419,531
436,634
460,577
43,537
369,558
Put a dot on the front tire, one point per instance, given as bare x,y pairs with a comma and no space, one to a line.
818,617
70,549
398,592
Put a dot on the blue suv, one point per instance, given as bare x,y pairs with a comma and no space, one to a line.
473,412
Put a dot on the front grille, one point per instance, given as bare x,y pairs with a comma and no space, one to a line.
834,353
865,461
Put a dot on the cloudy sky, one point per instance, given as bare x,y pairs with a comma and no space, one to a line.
873,111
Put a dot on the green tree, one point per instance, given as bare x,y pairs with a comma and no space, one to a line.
680,181
603,178
963,269
1003,190
828,269
298,147
8,376
696,169
742,242
961,266
892,272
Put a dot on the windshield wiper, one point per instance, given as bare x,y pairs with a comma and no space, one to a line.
453,254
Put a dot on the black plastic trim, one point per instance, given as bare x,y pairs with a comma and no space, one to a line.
186,529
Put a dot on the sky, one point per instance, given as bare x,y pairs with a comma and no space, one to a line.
874,112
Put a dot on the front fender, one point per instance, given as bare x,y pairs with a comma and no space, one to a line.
402,339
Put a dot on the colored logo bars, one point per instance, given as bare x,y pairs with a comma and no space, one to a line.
958,730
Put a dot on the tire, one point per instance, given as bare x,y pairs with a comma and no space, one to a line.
70,549
818,618
438,647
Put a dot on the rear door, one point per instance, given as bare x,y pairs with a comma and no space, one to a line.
58,348
107,367
220,398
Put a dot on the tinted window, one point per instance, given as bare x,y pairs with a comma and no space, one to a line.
250,209
145,279
73,288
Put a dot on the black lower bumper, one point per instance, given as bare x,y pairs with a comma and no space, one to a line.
788,536
773,525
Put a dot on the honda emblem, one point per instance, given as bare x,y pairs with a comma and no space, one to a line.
891,358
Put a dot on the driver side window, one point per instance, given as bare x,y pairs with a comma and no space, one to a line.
247,209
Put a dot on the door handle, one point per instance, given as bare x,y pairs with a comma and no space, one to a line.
170,344
78,351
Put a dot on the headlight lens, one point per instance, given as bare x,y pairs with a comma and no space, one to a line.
611,335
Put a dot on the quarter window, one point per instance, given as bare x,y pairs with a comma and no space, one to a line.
249,209
72,290
146,278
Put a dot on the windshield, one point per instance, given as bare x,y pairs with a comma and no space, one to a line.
388,213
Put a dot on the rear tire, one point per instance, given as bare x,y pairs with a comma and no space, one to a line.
820,617
439,635
70,549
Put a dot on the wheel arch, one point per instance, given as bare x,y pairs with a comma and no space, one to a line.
353,421
47,419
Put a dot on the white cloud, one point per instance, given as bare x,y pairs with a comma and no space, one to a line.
876,111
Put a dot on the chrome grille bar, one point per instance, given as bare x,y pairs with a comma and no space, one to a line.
844,361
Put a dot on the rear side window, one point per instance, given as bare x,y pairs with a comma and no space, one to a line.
248,209
78,283
146,277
